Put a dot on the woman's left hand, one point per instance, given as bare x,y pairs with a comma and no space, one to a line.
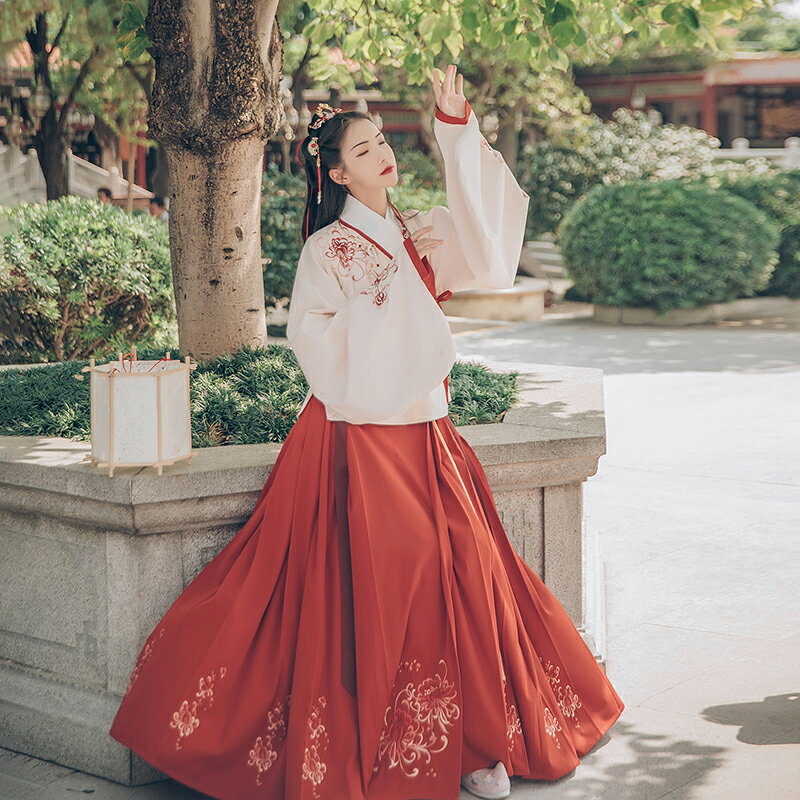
449,92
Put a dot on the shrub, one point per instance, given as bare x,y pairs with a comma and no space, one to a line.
779,197
554,177
626,148
251,397
283,202
77,276
667,245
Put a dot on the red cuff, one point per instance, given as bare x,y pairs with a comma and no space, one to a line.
440,115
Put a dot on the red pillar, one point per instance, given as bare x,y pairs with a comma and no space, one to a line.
708,110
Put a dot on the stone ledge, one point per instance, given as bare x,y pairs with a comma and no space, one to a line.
523,302
558,426
741,309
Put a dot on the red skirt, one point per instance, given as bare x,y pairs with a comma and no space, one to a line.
368,634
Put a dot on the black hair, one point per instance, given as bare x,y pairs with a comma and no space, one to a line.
104,190
330,134
158,200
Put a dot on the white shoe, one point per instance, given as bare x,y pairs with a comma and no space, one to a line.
490,784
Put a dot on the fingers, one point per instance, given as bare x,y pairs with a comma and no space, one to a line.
448,81
417,233
449,77
437,84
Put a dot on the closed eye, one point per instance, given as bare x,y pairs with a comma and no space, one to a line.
367,151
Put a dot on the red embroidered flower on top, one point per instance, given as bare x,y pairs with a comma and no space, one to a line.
347,251
358,260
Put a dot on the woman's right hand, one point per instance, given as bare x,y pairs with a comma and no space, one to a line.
425,246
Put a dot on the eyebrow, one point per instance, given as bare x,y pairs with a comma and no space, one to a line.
366,141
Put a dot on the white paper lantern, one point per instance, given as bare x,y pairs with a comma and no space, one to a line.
140,412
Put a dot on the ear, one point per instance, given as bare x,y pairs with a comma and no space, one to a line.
337,175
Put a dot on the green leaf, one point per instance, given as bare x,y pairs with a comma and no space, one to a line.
563,33
469,21
558,58
132,18
690,17
137,46
490,38
672,13
455,44
426,27
442,29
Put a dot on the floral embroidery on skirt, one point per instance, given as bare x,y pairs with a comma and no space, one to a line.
551,725
185,719
513,724
417,723
568,700
264,752
314,768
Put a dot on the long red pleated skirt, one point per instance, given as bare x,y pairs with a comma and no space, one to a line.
369,633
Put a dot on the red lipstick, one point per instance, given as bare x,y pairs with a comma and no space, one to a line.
388,169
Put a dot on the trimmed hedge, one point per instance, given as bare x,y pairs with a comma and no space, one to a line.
77,276
666,245
251,397
779,197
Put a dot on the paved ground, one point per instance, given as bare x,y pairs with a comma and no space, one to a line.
698,507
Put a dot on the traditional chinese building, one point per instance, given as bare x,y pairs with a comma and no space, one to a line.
752,95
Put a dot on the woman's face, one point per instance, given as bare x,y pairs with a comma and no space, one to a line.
368,162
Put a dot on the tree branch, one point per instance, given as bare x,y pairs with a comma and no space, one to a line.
59,35
78,82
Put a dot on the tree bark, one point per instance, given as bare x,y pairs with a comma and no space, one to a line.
215,103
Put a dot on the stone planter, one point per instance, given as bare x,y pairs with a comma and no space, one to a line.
89,564
523,302
743,308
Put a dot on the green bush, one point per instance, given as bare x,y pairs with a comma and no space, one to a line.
417,169
779,197
554,177
626,148
667,245
77,276
283,203
251,397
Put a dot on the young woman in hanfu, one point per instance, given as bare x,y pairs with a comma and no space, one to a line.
370,633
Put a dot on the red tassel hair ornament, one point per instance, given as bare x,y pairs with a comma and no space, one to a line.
323,113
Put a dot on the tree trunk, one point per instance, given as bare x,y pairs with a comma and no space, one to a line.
215,240
52,151
508,143
215,104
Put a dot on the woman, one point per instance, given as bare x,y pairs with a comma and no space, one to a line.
370,633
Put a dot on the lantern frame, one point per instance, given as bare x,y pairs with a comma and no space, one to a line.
116,370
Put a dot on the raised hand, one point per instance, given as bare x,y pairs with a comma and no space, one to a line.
449,92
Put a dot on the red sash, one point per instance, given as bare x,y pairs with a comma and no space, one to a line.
422,265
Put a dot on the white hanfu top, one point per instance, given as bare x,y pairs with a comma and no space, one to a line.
372,341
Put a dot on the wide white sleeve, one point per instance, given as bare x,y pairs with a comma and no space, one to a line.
366,362
483,226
